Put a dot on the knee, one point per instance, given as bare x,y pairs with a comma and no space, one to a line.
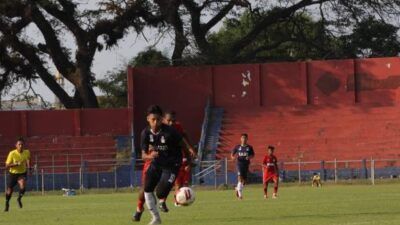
161,194
9,191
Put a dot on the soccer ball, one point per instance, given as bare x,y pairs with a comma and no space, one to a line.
185,196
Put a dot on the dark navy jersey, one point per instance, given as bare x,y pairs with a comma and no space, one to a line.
167,142
243,152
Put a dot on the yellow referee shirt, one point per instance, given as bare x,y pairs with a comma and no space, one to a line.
16,157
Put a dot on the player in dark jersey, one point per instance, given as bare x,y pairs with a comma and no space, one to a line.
243,153
270,171
169,119
161,144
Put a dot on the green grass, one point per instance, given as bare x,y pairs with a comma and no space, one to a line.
331,205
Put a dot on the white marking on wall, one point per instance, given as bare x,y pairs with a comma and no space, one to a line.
246,81
247,75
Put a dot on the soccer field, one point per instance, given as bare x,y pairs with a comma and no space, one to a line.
331,205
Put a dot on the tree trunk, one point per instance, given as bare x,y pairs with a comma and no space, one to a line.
84,88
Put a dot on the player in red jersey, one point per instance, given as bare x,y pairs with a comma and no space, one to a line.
183,178
270,171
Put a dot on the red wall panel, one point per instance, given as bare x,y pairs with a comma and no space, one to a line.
182,89
65,122
105,122
236,85
57,122
378,81
284,84
329,82
10,124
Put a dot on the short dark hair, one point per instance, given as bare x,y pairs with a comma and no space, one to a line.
271,147
244,135
154,109
20,139
170,112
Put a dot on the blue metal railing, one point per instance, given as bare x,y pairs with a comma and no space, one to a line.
203,136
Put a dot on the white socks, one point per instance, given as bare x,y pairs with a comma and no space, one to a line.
239,189
152,205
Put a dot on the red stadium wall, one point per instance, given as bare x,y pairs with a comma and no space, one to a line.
283,84
323,84
64,123
378,81
328,82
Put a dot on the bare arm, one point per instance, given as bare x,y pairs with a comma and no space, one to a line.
10,165
191,151
186,141
149,155
187,150
233,155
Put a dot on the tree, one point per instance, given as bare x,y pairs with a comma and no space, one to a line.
114,85
301,38
92,30
150,57
294,39
200,17
372,38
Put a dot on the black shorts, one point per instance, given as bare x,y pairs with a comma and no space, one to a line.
13,178
243,169
162,178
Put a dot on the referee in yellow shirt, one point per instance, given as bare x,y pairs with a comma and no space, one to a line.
18,162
